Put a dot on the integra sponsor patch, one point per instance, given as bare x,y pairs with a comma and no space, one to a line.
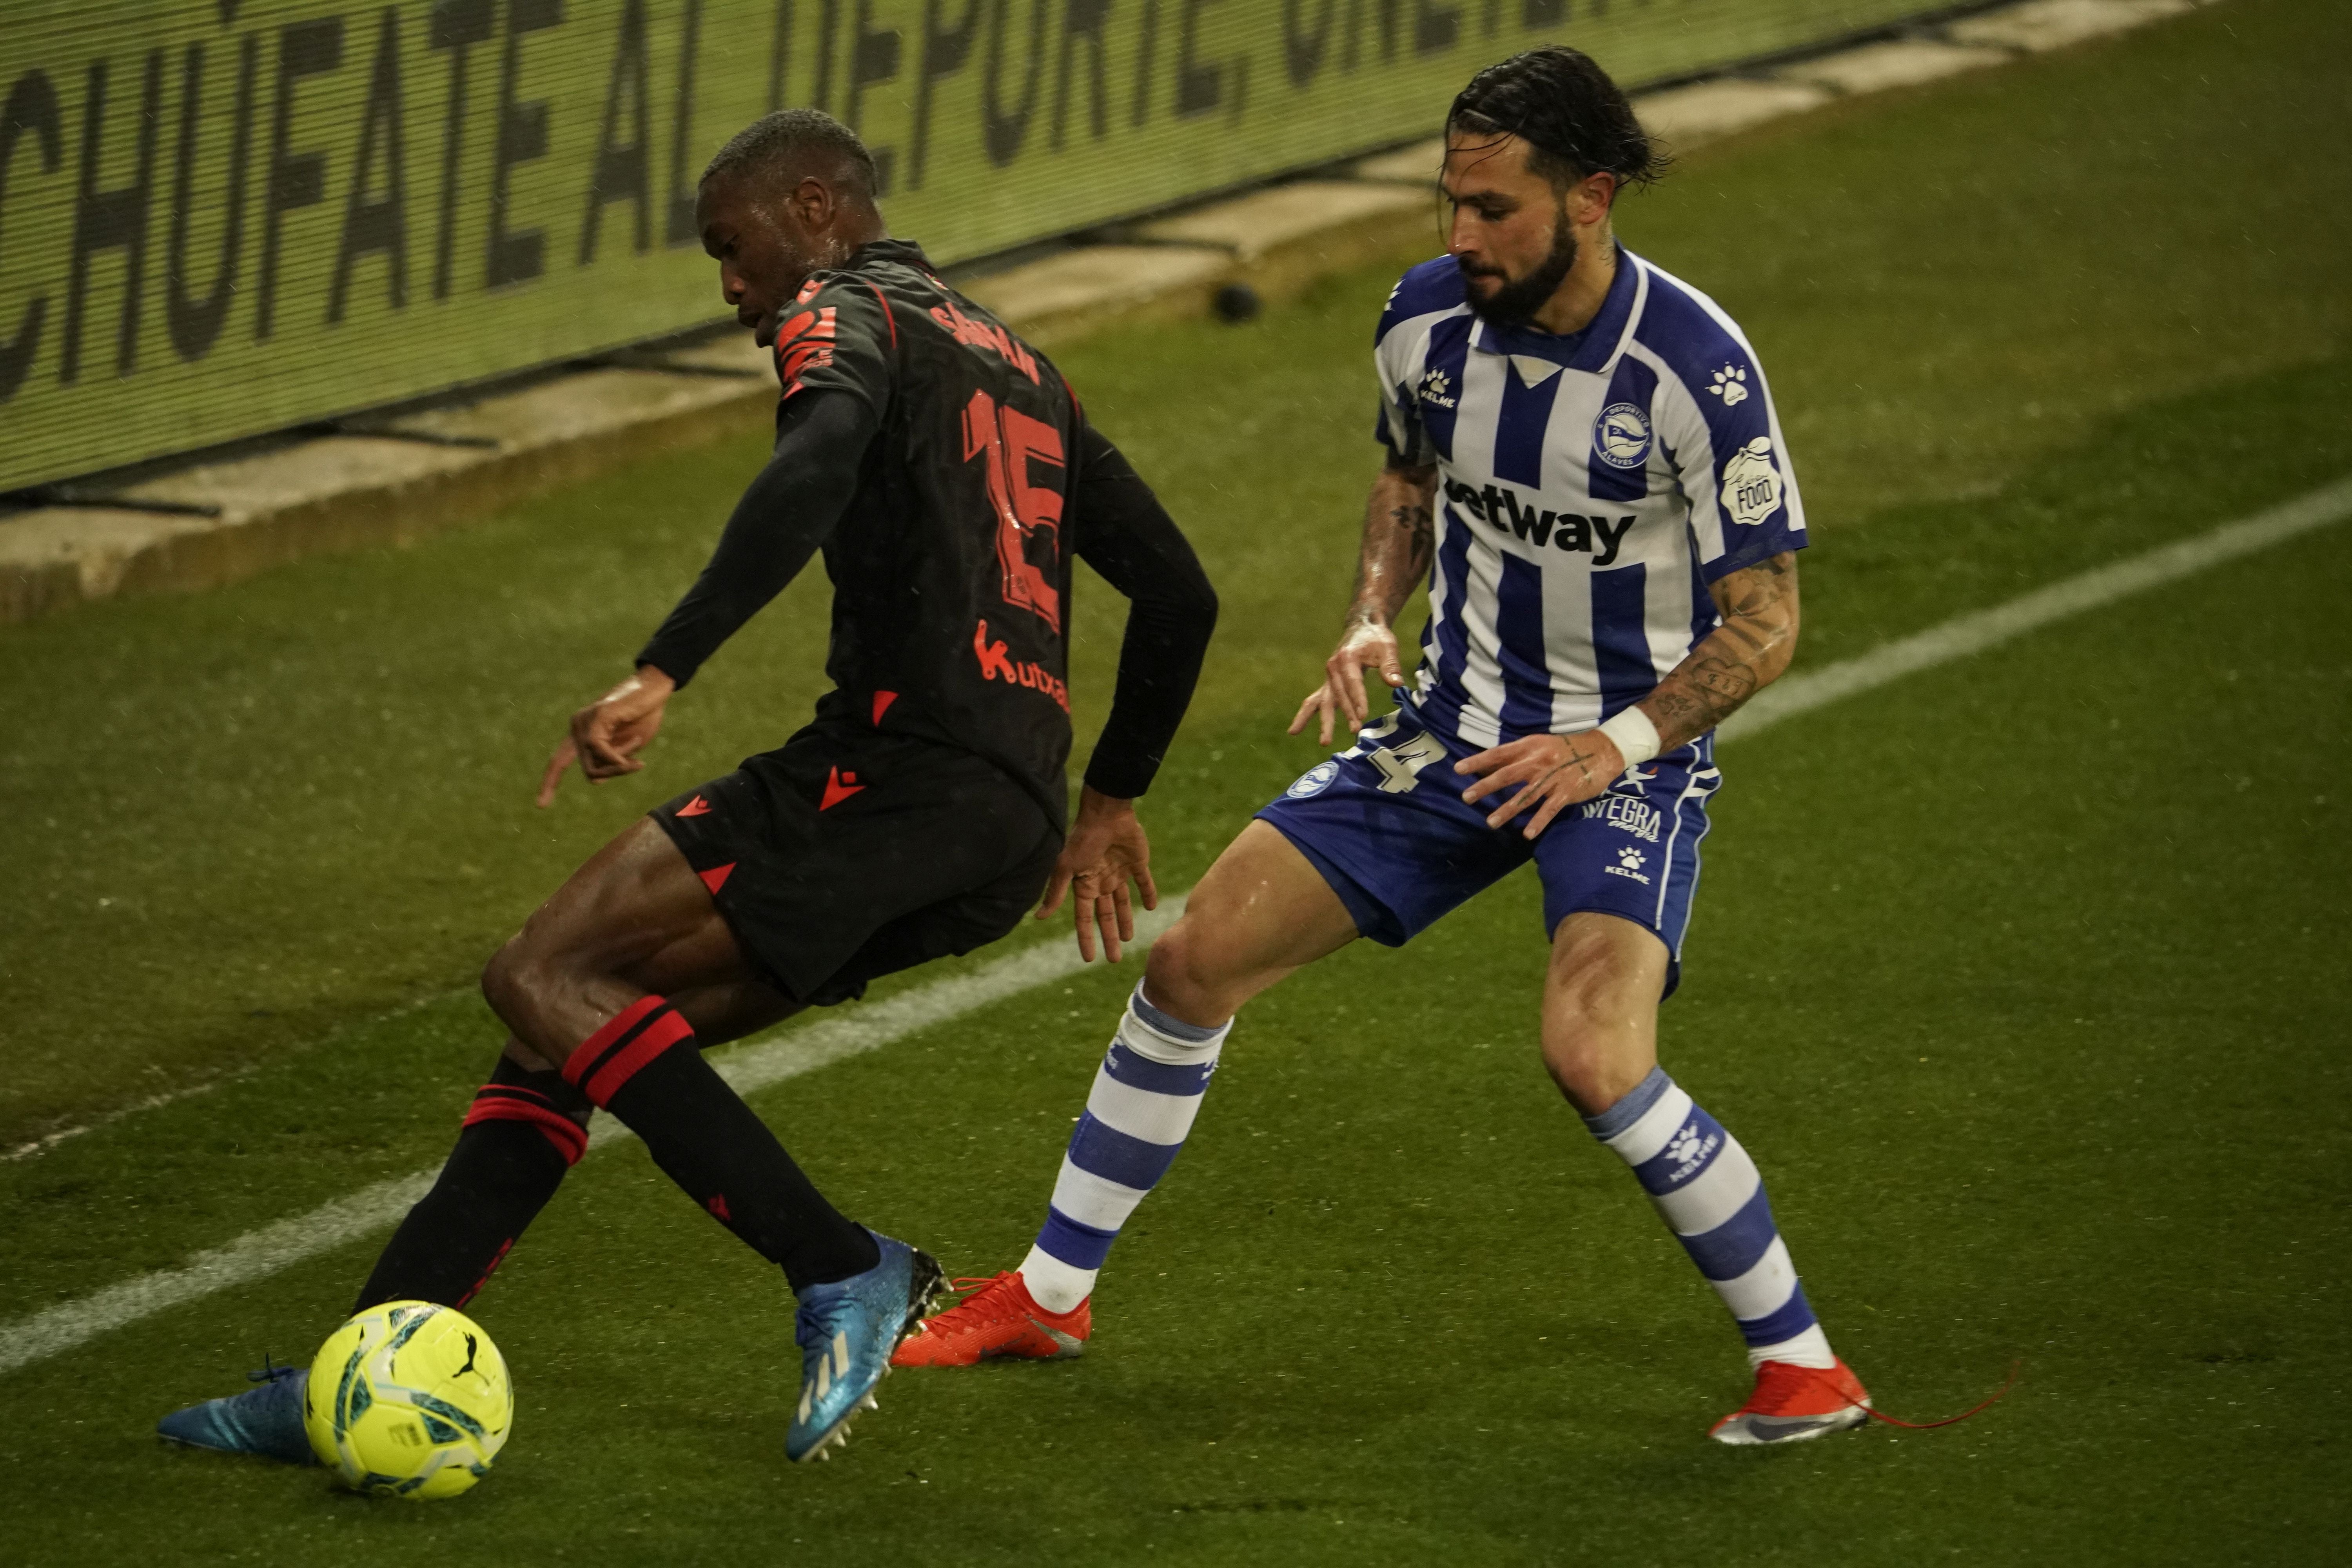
1638,817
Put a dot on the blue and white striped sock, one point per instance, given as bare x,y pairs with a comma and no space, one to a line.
1145,1095
1711,1196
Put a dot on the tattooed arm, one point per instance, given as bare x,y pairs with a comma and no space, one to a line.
1740,657
1400,528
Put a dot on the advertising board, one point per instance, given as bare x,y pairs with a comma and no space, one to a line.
224,217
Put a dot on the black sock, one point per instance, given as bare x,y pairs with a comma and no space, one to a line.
523,1131
645,1069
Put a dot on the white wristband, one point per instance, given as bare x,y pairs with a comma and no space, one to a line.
1636,736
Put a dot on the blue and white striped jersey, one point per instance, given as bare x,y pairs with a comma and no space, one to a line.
1591,487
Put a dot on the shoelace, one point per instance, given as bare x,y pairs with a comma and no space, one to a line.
270,1370
2016,1369
1783,1379
979,1294
810,1328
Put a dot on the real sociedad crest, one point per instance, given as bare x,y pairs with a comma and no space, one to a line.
1620,436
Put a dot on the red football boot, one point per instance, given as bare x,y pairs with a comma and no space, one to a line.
1792,1404
996,1317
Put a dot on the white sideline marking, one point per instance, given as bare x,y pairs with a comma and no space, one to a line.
760,1063
1965,634
753,1065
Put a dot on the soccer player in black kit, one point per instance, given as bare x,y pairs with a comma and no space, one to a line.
949,477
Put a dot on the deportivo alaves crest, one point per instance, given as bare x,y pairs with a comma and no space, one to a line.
1620,436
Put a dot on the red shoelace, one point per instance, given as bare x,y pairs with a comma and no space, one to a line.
2016,1369
992,1295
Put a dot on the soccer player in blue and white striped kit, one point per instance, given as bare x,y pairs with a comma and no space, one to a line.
1583,459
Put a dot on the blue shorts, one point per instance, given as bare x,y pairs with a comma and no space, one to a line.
1385,823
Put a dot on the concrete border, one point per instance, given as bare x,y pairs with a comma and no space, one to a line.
398,477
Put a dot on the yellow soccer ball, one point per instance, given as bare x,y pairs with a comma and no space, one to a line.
409,1400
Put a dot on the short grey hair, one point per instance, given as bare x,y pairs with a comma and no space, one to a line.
771,142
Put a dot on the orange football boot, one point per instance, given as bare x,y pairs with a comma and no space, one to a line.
996,1317
1792,1404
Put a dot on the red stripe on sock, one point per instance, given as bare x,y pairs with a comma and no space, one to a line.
656,1037
603,1040
504,1247
570,1140
497,1090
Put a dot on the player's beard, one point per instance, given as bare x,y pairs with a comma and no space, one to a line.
1515,304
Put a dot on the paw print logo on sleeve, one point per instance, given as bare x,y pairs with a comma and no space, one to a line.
1731,386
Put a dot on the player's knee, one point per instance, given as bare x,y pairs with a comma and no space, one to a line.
518,972
1168,969
1592,1069
1181,976
1599,1036
502,979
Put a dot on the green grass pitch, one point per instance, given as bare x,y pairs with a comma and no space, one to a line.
2022,977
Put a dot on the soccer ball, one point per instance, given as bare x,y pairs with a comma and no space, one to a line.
408,1400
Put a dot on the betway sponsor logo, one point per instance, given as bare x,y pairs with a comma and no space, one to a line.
1598,537
996,664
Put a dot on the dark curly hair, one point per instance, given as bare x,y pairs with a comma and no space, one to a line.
769,141
1566,108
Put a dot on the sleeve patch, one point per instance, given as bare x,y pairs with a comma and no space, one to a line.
1752,483
806,342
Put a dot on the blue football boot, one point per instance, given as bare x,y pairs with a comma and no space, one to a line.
846,1331
267,1420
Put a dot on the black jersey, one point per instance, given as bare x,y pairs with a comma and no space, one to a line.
979,481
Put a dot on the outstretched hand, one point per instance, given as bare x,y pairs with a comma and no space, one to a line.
1556,770
1369,644
1107,848
608,735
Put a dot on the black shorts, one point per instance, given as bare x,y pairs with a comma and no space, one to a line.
843,856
